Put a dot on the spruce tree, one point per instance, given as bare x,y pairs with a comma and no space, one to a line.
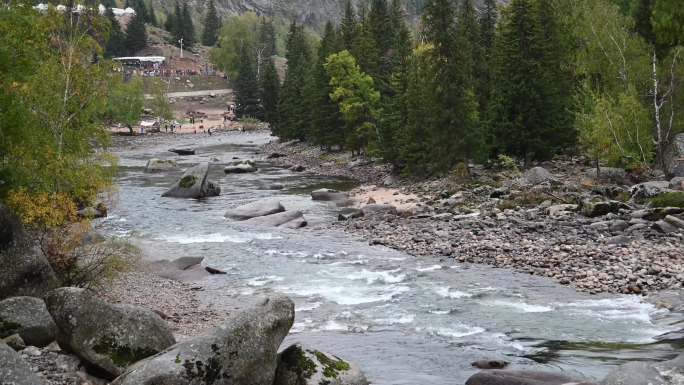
136,35
349,27
187,27
267,38
270,93
292,106
212,25
485,66
247,87
116,43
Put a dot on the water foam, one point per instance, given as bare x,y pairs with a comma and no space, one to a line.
372,277
263,280
346,295
429,268
217,238
522,306
448,292
456,331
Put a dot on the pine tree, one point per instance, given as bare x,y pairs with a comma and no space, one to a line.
247,87
349,27
136,35
292,106
174,24
212,25
116,43
270,92
267,38
187,27
485,67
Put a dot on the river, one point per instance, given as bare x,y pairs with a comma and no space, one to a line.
403,319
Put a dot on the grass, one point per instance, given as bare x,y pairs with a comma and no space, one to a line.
669,199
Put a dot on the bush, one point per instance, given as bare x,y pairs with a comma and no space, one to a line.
250,124
506,163
669,199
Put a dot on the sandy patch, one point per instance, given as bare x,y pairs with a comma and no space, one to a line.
383,195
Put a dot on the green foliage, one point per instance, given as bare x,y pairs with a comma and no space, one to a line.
136,35
667,19
180,26
247,87
236,32
125,101
212,25
160,101
292,107
267,40
669,199
270,93
116,41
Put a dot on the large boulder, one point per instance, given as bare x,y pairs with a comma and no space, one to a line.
155,164
107,337
11,230
328,195
290,219
538,175
641,373
14,370
194,184
651,189
242,351
521,377
378,209
25,272
607,174
300,366
674,156
255,209
28,317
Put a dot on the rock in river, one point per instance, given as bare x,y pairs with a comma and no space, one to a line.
328,195
640,373
194,184
242,351
107,337
183,151
255,209
241,167
14,370
520,377
155,164
28,317
290,219
300,366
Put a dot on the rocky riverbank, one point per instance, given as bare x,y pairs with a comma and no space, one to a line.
598,234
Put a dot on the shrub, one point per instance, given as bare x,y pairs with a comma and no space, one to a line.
506,163
669,199
250,124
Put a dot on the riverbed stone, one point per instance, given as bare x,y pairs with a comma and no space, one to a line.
520,377
640,373
255,209
607,174
156,164
594,209
328,195
107,337
664,227
279,219
242,351
674,221
298,365
25,272
194,184
28,317
538,175
349,213
379,209
241,167
14,370
560,211
650,189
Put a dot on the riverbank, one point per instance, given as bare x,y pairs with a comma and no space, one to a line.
534,223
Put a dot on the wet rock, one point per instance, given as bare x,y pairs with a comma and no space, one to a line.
279,219
647,190
349,213
674,156
298,365
296,223
255,209
242,351
297,168
214,271
107,337
28,317
183,151
241,167
15,342
25,272
519,377
328,195
275,155
607,174
194,184
14,370
184,269
378,209
489,364
538,175
156,164
640,373
593,209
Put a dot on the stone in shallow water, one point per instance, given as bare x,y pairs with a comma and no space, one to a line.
521,377
301,366
255,209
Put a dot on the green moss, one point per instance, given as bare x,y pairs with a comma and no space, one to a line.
187,181
208,372
331,366
121,356
669,199
296,361
7,328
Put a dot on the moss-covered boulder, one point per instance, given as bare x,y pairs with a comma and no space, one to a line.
156,164
14,370
669,199
194,184
592,209
298,365
242,351
29,318
107,337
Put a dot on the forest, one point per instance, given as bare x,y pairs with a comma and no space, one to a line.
529,80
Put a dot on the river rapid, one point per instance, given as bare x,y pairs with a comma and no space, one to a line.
403,319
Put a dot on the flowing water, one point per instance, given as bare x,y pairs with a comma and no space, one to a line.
405,320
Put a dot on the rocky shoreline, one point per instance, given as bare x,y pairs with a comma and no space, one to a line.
546,223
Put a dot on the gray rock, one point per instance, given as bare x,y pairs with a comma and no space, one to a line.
14,370
28,317
618,225
500,192
300,366
538,175
594,209
674,156
107,337
240,168
156,164
255,209
519,377
651,189
183,151
674,221
560,211
654,214
349,213
641,373
328,195
15,342
618,240
490,364
278,219
242,351
12,232
194,184
184,269
297,168
677,183
607,174
376,209
664,227
25,272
